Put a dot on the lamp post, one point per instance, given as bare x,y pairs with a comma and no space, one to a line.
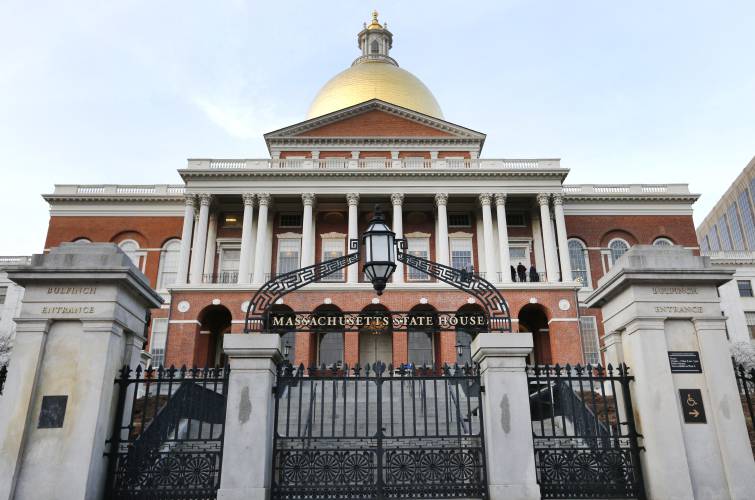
286,349
379,244
459,349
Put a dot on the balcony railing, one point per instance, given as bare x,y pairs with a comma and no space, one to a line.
120,189
619,189
14,260
374,163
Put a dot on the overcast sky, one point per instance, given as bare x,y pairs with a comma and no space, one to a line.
125,91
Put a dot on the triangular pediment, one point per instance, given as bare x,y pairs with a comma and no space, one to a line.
376,118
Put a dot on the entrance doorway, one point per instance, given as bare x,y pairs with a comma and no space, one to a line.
375,337
532,318
215,321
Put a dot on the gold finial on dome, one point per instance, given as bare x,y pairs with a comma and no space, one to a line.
375,25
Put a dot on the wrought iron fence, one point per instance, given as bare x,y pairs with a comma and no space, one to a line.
167,440
586,443
746,385
3,376
377,432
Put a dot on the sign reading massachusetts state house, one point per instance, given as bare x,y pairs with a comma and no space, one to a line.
376,321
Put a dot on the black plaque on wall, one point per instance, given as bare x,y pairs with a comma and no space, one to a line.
685,362
53,412
692,406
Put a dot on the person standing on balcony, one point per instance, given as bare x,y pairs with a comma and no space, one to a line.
522,272
513,274
534,277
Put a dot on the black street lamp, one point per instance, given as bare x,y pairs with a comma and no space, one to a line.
459,349
286,350
379,244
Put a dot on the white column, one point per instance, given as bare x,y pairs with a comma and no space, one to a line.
260,252
537,242
247,239
511,468
307,241
353,201
549,241
397,200
487,228
212,235
200,241
250,416
185,252
563,243
503,238
441,200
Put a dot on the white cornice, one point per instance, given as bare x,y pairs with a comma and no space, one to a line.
560,173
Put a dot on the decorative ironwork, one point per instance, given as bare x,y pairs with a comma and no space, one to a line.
286,283
584,433
474,284
376,432
168,438
3,376
746,385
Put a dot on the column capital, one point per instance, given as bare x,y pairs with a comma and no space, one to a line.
352,199
485,199
263,199
205,199
190,200
248,199
441,199
397,199
558,199
543,199
308,198
500,199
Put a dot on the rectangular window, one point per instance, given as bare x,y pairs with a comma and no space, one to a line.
750,317
516,219
289,255
332,249
588,326
713,240
704,245
459,220
461,253
3,294
228,272
517,255
748,221
290,220
419,247
737,239
158,341
745,288
723,233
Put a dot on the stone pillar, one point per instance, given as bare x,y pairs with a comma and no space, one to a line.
259,252
487,228
249,416
563,242
503,238
307,241
82,318
186,233
397,200
211,250
549,242
508,429
441,200
247,239
352,272
537,242
200,240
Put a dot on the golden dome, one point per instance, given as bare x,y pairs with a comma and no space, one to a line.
374,80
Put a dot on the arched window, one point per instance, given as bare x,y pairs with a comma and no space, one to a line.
618,247
330,335
168,270
374,47
663,242
131,248
578,260
423,320
82,240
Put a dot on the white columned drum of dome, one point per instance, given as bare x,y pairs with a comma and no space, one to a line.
549,241
397,200
441,200
200,240
263,199
307,242
563,245
353,201
183,255
247,239
503,238
487,228
212,235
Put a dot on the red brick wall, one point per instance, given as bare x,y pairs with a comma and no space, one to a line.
375,123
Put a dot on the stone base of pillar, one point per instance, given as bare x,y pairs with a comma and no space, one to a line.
514,491
244,494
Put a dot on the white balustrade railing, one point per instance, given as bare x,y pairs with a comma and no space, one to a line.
375,163
624,189
728,254
122,189
15,260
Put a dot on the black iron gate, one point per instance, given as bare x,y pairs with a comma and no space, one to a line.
584,433
167,441
376,433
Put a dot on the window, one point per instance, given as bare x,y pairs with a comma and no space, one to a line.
420,347
578,261
745,288
332,248
331,348
518,254
750,318
723,233
290,220
419,247
713,240
737,239
748,221
663,242
82,240
228,270
232,220
618,248
158,340
168,269
704,245
374,47
459,220
516,219
289,251
131,248
461,253
588,326
3,294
